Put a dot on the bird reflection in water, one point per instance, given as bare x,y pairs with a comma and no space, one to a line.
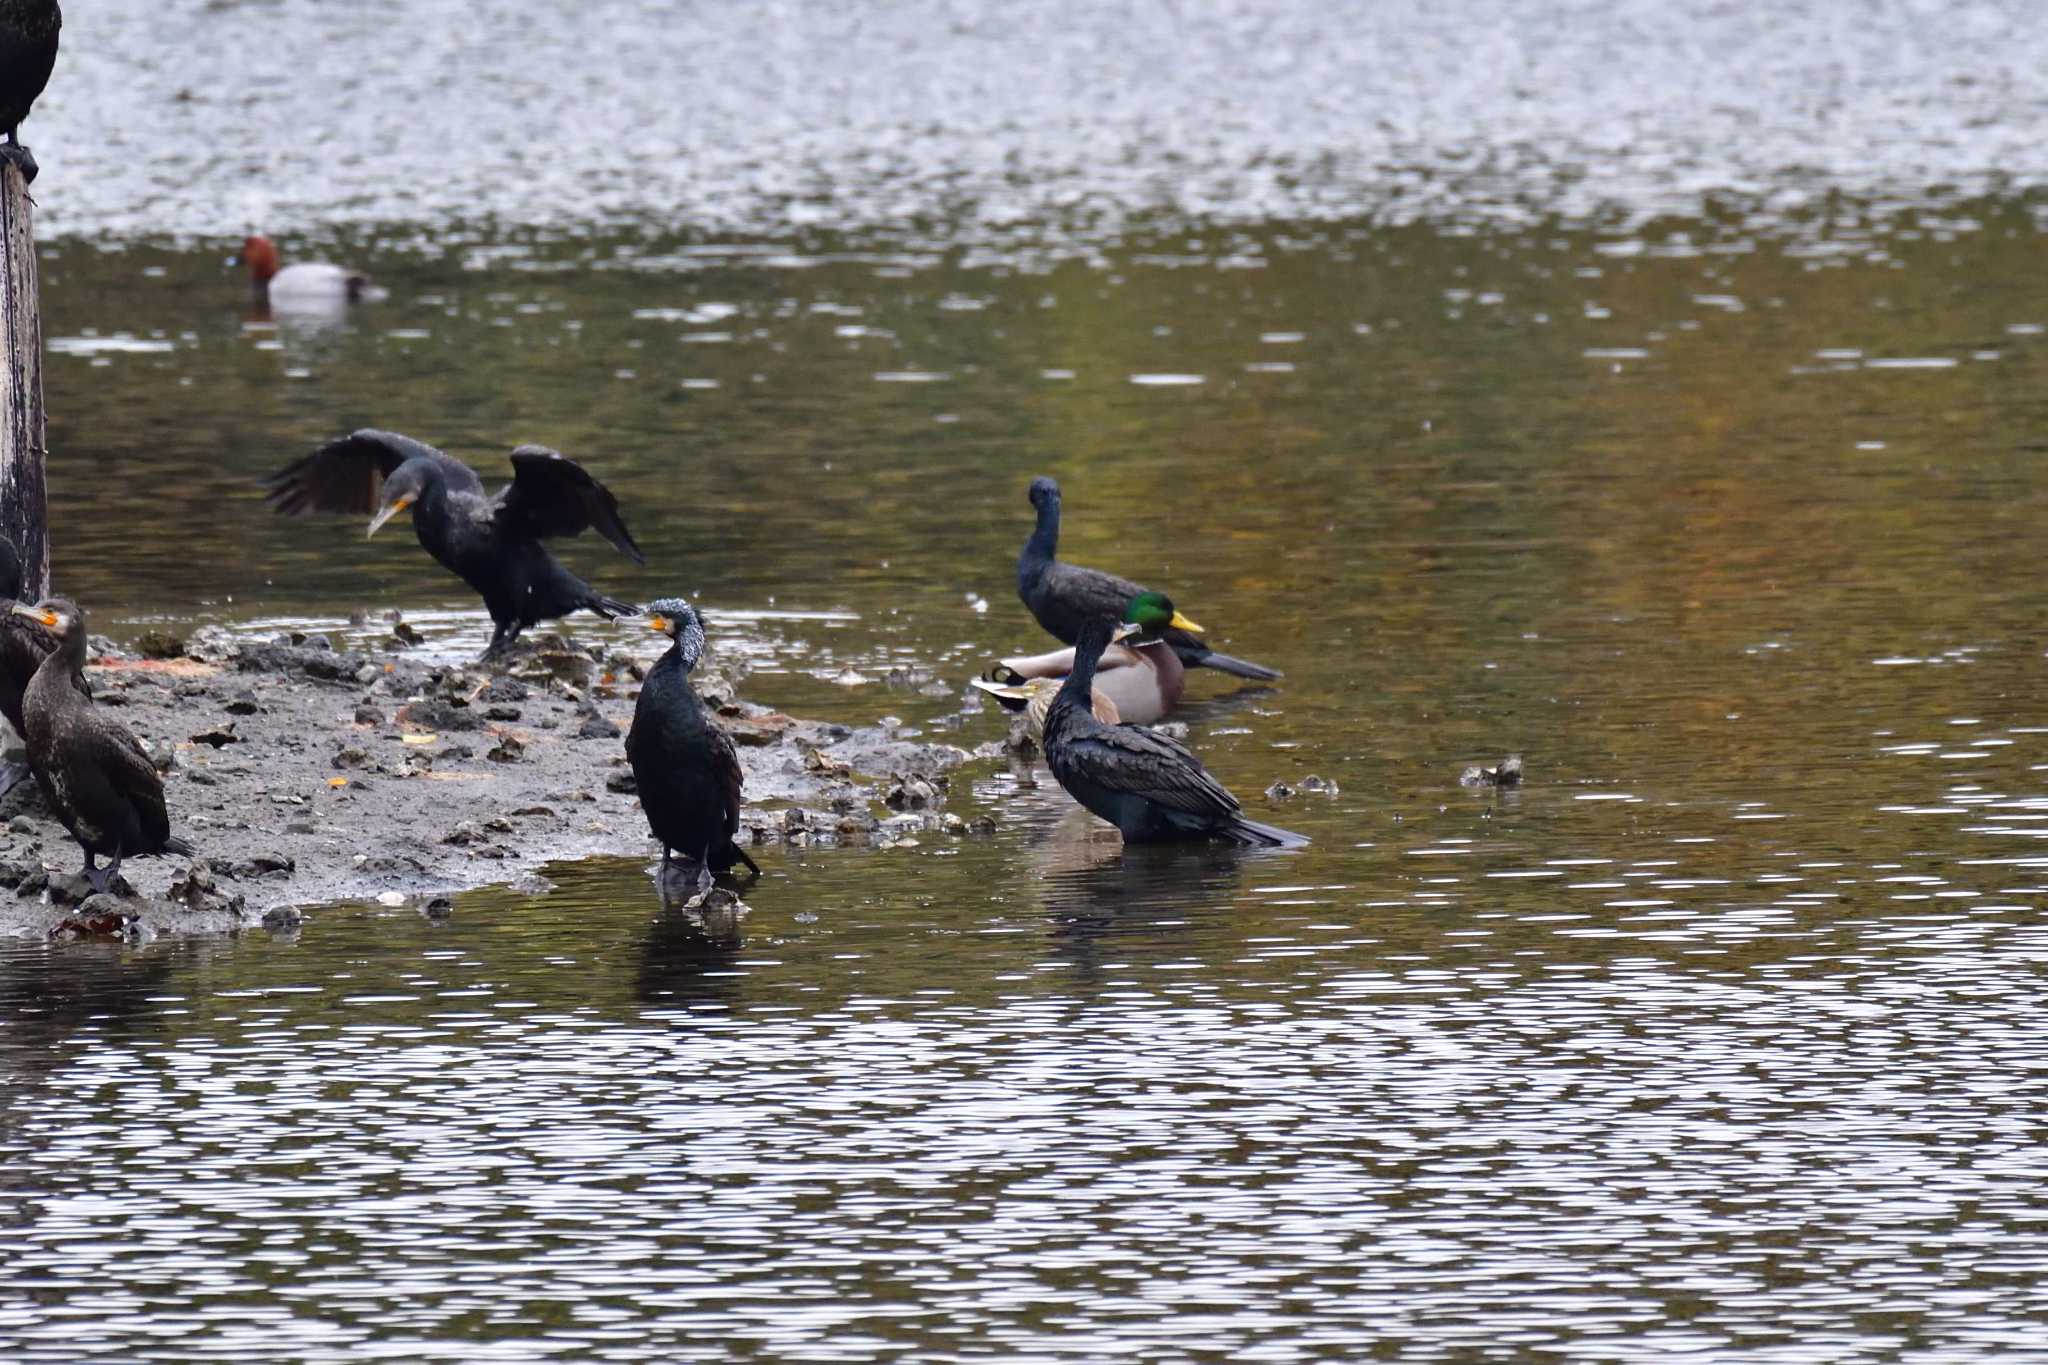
1096,889
689,955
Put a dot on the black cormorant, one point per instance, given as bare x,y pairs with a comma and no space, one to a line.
684,765
1145,784
1064,597
491,543
93,773
23,647
28,49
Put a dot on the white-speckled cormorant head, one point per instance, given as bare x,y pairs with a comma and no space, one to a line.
677,619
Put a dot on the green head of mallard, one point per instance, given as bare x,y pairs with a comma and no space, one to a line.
1153,614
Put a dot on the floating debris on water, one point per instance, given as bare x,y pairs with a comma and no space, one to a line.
1507,774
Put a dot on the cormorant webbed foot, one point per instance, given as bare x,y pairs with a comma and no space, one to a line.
22,159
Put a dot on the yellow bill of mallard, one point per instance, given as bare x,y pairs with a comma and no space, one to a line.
1180,622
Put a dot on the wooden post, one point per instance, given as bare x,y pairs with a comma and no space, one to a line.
24,429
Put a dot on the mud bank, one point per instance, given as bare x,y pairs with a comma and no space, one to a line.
304,774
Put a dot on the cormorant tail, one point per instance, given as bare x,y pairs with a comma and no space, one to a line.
1241,668
1253,833
752,866
609,607
178,846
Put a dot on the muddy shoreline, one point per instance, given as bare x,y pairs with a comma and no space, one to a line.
305,774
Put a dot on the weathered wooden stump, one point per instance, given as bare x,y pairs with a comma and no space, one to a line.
24,428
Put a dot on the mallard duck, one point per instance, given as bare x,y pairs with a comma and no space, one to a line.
94,774
685,766
1065,596
1033,696
493,543
1148,786
1141,680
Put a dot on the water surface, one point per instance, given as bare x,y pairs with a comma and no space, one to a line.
1703,475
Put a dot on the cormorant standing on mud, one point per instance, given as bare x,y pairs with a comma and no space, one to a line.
28,49
491,543
94,774
1064,597
684,765
23,648
1145,784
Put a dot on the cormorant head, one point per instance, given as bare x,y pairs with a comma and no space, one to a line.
259,253
401,490
677,619
61,617
1043,491
1150,614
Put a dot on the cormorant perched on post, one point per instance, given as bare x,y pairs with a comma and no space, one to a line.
491,543
685,766
1064,597
28,49
93,773
23,648
1145,784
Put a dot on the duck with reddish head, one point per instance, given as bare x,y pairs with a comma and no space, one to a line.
303,286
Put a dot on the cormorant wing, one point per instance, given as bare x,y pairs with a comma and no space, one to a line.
345,475
1130,758
551,495
725,763
1071,596
128,769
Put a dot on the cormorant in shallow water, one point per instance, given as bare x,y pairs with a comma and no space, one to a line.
1064,597
684,765
1145,784
94,774
28,49
491,543
23,648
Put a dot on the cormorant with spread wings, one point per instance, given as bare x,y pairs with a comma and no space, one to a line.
493,543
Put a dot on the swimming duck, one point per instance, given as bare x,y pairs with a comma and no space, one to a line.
309,284
94,774
1147,785
685,766
1142,680
493,543
28,51
1065,596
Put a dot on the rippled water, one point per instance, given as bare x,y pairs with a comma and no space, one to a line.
1699,469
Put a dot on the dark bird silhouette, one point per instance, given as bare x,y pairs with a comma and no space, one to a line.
685,766
93,773
28,49
23,647
491,543
1064,597
1145,784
